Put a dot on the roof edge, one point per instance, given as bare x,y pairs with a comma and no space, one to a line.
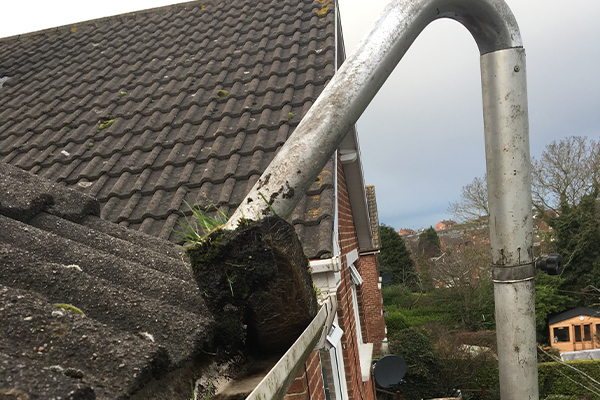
67,27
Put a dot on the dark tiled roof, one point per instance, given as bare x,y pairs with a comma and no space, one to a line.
144,315
575,312
188,102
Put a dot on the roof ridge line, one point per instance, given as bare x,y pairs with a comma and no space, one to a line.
57,29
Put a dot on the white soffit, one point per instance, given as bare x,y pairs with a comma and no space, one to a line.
351,163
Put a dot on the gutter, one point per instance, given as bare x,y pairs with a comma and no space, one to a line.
333,264
369,252
276,383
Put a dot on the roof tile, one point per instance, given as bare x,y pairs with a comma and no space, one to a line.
202,99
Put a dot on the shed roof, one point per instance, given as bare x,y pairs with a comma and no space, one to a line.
190,102
575,312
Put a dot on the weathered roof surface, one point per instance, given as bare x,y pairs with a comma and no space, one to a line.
373,215
144,315
188,102
575,312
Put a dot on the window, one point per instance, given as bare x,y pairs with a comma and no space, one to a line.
587,332
561,335
577,333
359,338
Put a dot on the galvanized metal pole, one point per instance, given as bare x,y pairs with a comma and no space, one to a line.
511,228
353,87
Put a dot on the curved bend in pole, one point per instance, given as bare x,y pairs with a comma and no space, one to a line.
353,87
355,84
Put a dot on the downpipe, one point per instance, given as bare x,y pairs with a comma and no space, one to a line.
504,89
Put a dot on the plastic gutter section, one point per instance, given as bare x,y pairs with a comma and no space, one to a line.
276,383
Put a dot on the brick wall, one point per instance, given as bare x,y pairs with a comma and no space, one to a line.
372,302
308,385
348,242
315,376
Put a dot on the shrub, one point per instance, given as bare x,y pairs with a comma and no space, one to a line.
395,322
423,365
398,295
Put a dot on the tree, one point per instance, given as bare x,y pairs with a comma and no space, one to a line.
395,257
422,379
473,201
576,236
567,170
429,247
467,288
429,243
548,301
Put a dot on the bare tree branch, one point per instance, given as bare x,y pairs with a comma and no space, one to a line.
567,170
473,201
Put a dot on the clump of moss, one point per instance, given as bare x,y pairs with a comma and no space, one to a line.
105,123
291,115
71,308
222,93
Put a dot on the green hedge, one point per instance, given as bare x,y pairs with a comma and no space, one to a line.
554,379
417,316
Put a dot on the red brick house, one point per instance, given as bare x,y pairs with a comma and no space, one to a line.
189,103
406,232
444,225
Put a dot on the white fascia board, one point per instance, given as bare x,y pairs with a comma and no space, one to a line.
352,166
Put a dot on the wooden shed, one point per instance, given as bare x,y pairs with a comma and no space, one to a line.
576,329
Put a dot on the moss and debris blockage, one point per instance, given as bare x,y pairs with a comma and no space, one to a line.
257,284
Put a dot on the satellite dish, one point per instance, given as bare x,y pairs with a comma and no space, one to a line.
389,371
386,278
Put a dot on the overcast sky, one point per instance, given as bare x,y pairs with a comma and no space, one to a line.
422,136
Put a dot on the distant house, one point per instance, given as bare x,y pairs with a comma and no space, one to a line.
575,330
444,225
146,112
406,232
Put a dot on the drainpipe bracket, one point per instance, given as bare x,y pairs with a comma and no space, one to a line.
512,273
